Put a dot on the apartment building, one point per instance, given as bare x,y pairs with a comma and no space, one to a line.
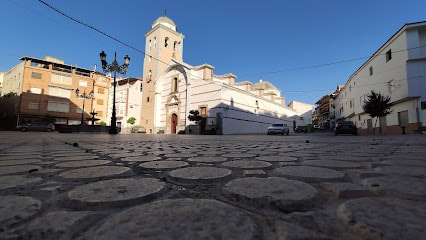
322,112
128,102
398,70
38,87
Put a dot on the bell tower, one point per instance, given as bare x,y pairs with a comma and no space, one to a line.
163,43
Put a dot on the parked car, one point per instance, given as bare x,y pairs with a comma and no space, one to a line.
301,129
278,128
345,127
137,129
36,126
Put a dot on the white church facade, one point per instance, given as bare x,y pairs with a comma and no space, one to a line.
173,88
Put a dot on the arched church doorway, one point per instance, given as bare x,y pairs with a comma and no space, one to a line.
173,124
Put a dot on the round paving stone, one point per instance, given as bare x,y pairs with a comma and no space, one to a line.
179,219
287,195
117,190
307,173
247,164
404,170
147,158
57,224
200,174
398,186
240,155
207,159
18,162
277,158
406,162
87,163
331,164
96,172
384,218
211,152
181,155
18,169
164,164
14,209
18,181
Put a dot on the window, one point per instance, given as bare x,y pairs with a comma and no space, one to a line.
141,88
203,111
100,101
36,90
61,78
371,71
102,79
423,105
82,83
166,42
101,90
155,42
100,114
150,45
79,110
175,45
33,106
36,75
390,87
388,55
147,99
58,107
175,84
59,92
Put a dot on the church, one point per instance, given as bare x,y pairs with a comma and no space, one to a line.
172,89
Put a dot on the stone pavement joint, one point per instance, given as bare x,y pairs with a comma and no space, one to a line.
138,186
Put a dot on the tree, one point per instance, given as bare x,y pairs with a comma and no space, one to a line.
194,115
49,118
131,120
377,106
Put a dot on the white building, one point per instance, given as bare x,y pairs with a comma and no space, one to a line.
173,88
397,69
128,98
304,111
223,104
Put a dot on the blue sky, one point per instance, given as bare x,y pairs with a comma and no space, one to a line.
305,48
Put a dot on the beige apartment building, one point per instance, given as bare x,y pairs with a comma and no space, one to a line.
38,87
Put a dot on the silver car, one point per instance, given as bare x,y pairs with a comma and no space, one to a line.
278,128
37,126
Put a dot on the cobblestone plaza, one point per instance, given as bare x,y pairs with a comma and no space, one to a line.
137,186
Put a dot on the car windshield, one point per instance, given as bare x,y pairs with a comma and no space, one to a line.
277,125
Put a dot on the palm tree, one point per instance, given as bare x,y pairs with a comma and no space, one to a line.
377,106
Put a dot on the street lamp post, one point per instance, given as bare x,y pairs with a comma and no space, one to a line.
84,96
114,67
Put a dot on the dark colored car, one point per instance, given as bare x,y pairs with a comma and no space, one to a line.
36,126
301,129
345,127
